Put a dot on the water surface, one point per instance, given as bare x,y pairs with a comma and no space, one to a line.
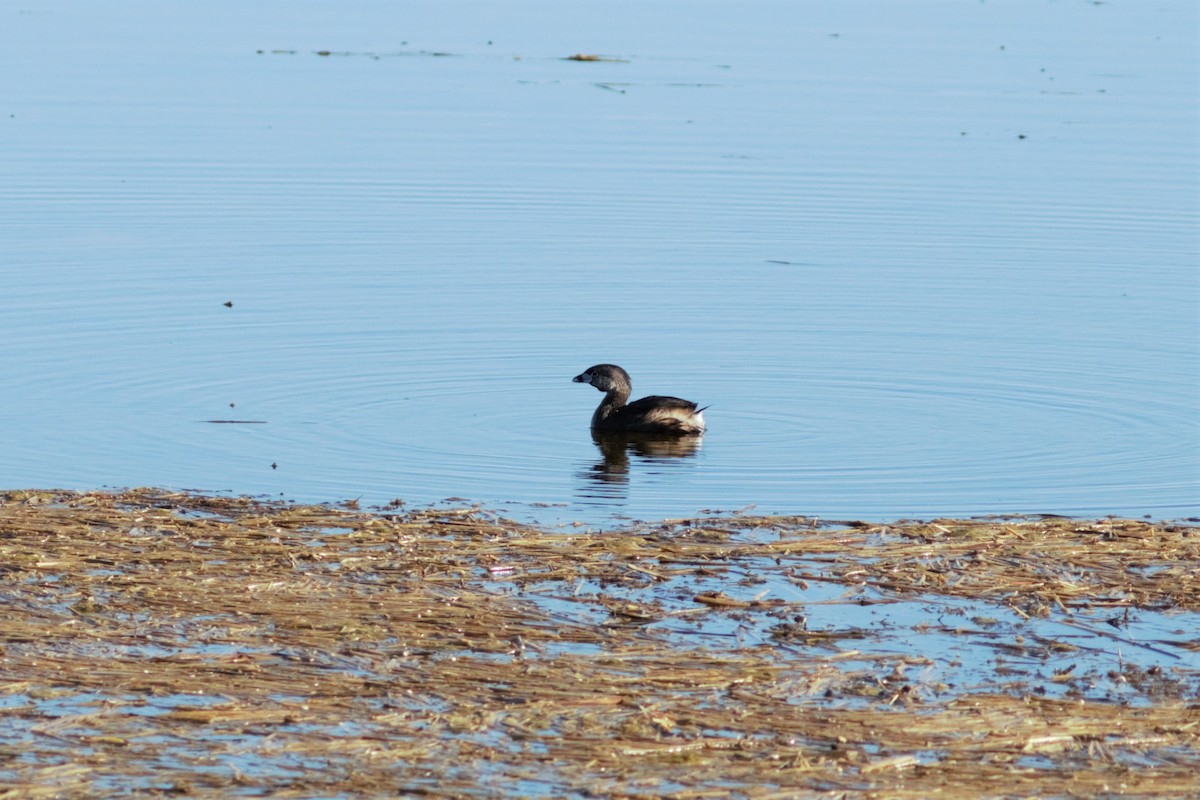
920,258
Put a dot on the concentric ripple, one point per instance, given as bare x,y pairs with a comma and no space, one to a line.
909,281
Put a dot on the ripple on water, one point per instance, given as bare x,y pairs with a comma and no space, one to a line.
905,310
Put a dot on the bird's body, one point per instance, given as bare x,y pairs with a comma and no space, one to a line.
653,415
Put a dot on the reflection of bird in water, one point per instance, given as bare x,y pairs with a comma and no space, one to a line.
654,415
616,447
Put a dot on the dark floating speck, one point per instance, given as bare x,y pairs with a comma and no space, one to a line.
594,57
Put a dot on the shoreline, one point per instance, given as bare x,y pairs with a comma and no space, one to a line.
222,646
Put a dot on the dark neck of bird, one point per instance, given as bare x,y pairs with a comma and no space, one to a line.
615,398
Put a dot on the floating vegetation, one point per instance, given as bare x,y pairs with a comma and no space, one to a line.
161,643
594,57
377,56
356,54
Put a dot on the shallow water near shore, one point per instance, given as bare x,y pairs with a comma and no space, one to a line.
932,260
229,647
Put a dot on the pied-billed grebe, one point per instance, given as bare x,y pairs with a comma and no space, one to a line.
665,416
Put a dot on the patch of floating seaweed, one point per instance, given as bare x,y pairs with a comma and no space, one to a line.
232,646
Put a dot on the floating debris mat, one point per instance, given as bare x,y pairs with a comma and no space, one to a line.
158,643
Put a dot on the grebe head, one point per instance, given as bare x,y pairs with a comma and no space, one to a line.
605,377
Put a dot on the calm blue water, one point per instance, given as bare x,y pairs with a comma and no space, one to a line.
921,258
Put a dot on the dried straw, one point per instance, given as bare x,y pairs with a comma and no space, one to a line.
168,643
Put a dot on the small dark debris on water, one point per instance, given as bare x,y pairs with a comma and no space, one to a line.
236,421
228,304
377,56
594,57
274,465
